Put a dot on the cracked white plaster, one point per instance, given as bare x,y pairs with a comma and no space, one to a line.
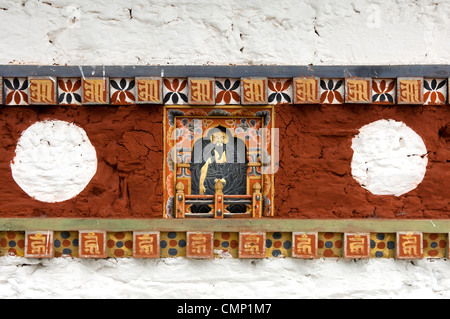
389,158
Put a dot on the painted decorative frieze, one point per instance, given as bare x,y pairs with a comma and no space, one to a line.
358,90
305,245
332,91
435,91
175,91
42,90
95,91
122,91
200,245
254,91
69,91
149,90
16,91
228,91
39,244
202,91
198,91
12,243
410,90
65,244
92,244
252,245
279,91
409,245
306,90
384,91
146,244
200,154
356,245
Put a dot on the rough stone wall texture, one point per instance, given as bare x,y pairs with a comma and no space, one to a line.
235,32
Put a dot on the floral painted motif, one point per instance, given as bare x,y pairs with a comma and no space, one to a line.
383,91
16,91
122,91
175,91
280,91
435,91
70,91
332,91
227,91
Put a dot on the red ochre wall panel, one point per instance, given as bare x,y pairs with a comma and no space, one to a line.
128,142
313,181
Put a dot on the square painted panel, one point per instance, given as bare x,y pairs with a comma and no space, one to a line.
410,90
92,244
175,91
95,90
69,91
119,244
253,91
122,91
358,90
356,245
252,245
382,245
228,91
332,91
434,91
12,243
278,244
42,90
146,244
330,245
39,244
149,90
434,245
200,245
409,245
16,91
65,244
306,90
384,91
279,91
173,244
202,91
305,245
226,245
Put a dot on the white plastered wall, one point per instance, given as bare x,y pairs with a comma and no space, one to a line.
209,32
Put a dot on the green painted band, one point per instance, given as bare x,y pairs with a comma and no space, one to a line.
227,225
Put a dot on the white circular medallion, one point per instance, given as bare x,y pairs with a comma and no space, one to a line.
54,161
389,158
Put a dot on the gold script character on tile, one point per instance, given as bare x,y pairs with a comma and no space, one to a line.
94,91
41,91
254,91
91,244
410,90
146,244
38,244
357,244
201,90
306,90
148,90
358,90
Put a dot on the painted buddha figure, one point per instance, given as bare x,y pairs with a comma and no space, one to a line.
219,156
